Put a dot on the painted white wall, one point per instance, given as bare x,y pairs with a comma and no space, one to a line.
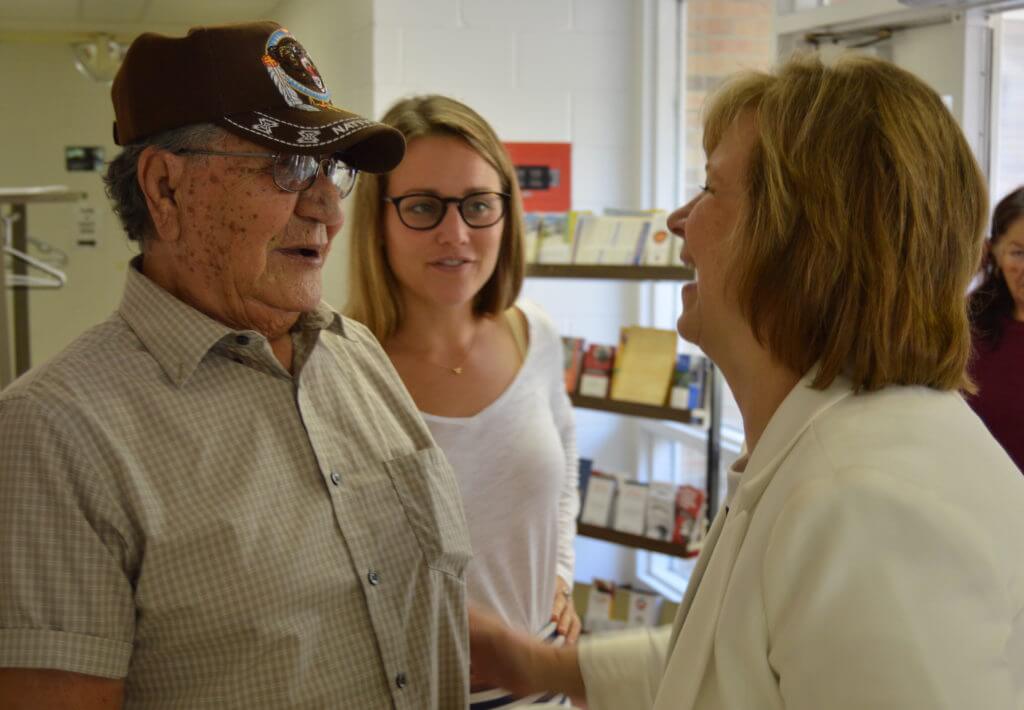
546,70
48,105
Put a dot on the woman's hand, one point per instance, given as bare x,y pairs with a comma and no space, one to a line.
564,612
501,657
505,658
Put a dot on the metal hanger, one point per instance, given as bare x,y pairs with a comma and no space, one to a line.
51,254
55,278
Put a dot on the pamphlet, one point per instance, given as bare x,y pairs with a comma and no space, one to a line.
630,507
597,507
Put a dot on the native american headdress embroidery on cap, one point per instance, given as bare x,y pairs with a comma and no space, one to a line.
294,73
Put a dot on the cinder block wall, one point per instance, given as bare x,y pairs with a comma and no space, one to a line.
539,70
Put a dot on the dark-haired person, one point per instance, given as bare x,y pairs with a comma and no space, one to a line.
997,315
868,554
436,265
223,496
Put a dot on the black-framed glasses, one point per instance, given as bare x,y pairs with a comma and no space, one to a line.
425,211
294,172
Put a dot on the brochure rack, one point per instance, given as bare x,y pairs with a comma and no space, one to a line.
646,273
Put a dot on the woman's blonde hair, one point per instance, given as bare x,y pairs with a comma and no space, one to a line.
864,222
373,293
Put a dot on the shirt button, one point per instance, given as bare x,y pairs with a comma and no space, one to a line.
400,680
373,577
242,339
335,478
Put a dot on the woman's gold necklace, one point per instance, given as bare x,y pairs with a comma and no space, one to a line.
458,369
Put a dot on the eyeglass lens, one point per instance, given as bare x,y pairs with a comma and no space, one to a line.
481,209
297,172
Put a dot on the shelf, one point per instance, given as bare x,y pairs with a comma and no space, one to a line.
50,193
605,271
630,540
632,409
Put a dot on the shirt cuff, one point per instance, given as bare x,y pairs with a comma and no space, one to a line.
65,651
623,669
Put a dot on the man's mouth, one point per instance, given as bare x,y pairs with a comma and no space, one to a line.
310,255
306,252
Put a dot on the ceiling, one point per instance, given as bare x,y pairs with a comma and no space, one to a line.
123,17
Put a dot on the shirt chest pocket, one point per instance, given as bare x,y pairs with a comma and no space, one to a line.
430,498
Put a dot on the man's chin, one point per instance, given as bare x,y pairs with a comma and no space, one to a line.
304,305
302,302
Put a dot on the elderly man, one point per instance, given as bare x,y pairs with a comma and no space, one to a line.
223,497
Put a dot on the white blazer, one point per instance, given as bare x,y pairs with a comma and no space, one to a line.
871,557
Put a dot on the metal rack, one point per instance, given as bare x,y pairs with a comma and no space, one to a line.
19,198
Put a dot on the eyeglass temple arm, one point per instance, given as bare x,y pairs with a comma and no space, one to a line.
197,151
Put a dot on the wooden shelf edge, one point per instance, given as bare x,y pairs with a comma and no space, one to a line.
632,409
638,541
609,271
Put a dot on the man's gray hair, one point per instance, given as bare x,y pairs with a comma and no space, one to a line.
122,179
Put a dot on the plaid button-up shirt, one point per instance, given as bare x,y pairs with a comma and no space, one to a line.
179,510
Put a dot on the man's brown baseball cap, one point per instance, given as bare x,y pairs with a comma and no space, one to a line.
256,81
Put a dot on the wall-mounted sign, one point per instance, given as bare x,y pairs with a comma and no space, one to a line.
544,171
86,225
88,158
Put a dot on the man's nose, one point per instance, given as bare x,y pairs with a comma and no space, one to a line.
321,201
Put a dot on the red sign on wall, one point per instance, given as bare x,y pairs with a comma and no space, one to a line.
545,175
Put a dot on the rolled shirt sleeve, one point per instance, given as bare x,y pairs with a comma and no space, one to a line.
623,669
66,601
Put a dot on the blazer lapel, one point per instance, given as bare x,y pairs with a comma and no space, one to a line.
695,624
698,573
694,627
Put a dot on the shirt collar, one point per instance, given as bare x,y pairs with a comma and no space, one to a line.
178,336
797,412
323,317
734,475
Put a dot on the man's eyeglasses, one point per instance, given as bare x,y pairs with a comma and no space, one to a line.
424,211
293,172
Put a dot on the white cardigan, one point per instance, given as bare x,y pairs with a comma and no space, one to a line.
872,557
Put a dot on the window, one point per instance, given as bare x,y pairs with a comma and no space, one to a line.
719,37
1007,158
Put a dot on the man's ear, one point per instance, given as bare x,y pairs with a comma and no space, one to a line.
160,174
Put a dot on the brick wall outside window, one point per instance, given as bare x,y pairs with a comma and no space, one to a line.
722,36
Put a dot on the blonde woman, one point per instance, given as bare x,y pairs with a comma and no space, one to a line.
869,551
436,268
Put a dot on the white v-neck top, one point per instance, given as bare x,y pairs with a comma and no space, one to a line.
516,467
